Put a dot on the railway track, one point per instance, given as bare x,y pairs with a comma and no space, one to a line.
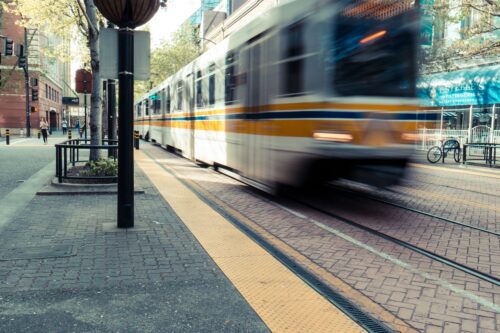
448,186
393,204
432,255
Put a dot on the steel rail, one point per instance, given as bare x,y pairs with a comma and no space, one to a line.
447,186
370,197
439,258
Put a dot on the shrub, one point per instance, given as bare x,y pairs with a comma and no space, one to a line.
102,167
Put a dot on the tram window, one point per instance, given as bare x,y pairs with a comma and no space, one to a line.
139,108
179,95
199,90
373,57
168,99
230,79
157,104
293,64
211,85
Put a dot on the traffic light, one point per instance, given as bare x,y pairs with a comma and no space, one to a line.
22,62
8,47
34,95
19,50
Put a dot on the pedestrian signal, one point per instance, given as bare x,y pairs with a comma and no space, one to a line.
8,47
34,109
22,62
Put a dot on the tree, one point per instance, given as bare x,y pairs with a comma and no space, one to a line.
171,56
477,23
75,20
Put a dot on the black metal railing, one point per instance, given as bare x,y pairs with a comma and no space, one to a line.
74,152
481,152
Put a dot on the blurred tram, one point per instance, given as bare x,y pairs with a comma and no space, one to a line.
310,91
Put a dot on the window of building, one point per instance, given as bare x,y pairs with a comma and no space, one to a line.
139,110
230,79
211,85
199,90
293,64
46,91
179,95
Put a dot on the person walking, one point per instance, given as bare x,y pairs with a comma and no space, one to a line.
64,125
77,127
44,128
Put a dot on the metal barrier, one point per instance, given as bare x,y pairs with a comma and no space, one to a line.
484,152
69,153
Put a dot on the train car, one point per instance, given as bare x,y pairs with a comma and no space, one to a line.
308,92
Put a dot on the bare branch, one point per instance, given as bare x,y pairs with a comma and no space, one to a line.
91,27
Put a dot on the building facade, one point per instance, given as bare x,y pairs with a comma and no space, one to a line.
48,80
461,68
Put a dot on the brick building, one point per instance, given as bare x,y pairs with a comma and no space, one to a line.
47,76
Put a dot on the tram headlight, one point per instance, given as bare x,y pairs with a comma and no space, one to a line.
410,137
341,137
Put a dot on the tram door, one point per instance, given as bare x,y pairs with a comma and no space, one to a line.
252,146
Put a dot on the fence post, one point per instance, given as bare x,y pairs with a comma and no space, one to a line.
65,162
7,137
492,127
469,132
58,163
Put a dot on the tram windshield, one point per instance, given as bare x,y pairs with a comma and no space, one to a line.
374,55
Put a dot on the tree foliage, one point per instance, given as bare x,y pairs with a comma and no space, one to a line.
171,56
478,23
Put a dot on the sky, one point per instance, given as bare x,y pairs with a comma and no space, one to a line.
166,21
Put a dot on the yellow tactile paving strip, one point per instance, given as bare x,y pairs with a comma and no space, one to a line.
283,301
365,303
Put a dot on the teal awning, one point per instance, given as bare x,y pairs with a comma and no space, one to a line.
473,86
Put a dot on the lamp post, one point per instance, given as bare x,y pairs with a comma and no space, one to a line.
127,15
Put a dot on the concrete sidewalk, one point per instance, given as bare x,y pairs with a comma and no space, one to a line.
64,267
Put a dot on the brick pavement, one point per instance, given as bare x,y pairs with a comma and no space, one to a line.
95,278
427,295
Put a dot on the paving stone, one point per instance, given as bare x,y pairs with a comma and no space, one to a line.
155,278
420,294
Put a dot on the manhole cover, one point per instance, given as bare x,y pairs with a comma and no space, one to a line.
37,252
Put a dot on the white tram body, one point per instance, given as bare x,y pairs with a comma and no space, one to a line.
311,90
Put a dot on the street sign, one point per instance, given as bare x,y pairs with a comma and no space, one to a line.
71,100
108,58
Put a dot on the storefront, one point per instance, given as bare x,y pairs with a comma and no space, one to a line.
469,102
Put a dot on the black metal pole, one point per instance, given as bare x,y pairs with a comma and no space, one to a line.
85,121
27,84
125,141
111,91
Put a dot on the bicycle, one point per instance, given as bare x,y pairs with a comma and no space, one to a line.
435,153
